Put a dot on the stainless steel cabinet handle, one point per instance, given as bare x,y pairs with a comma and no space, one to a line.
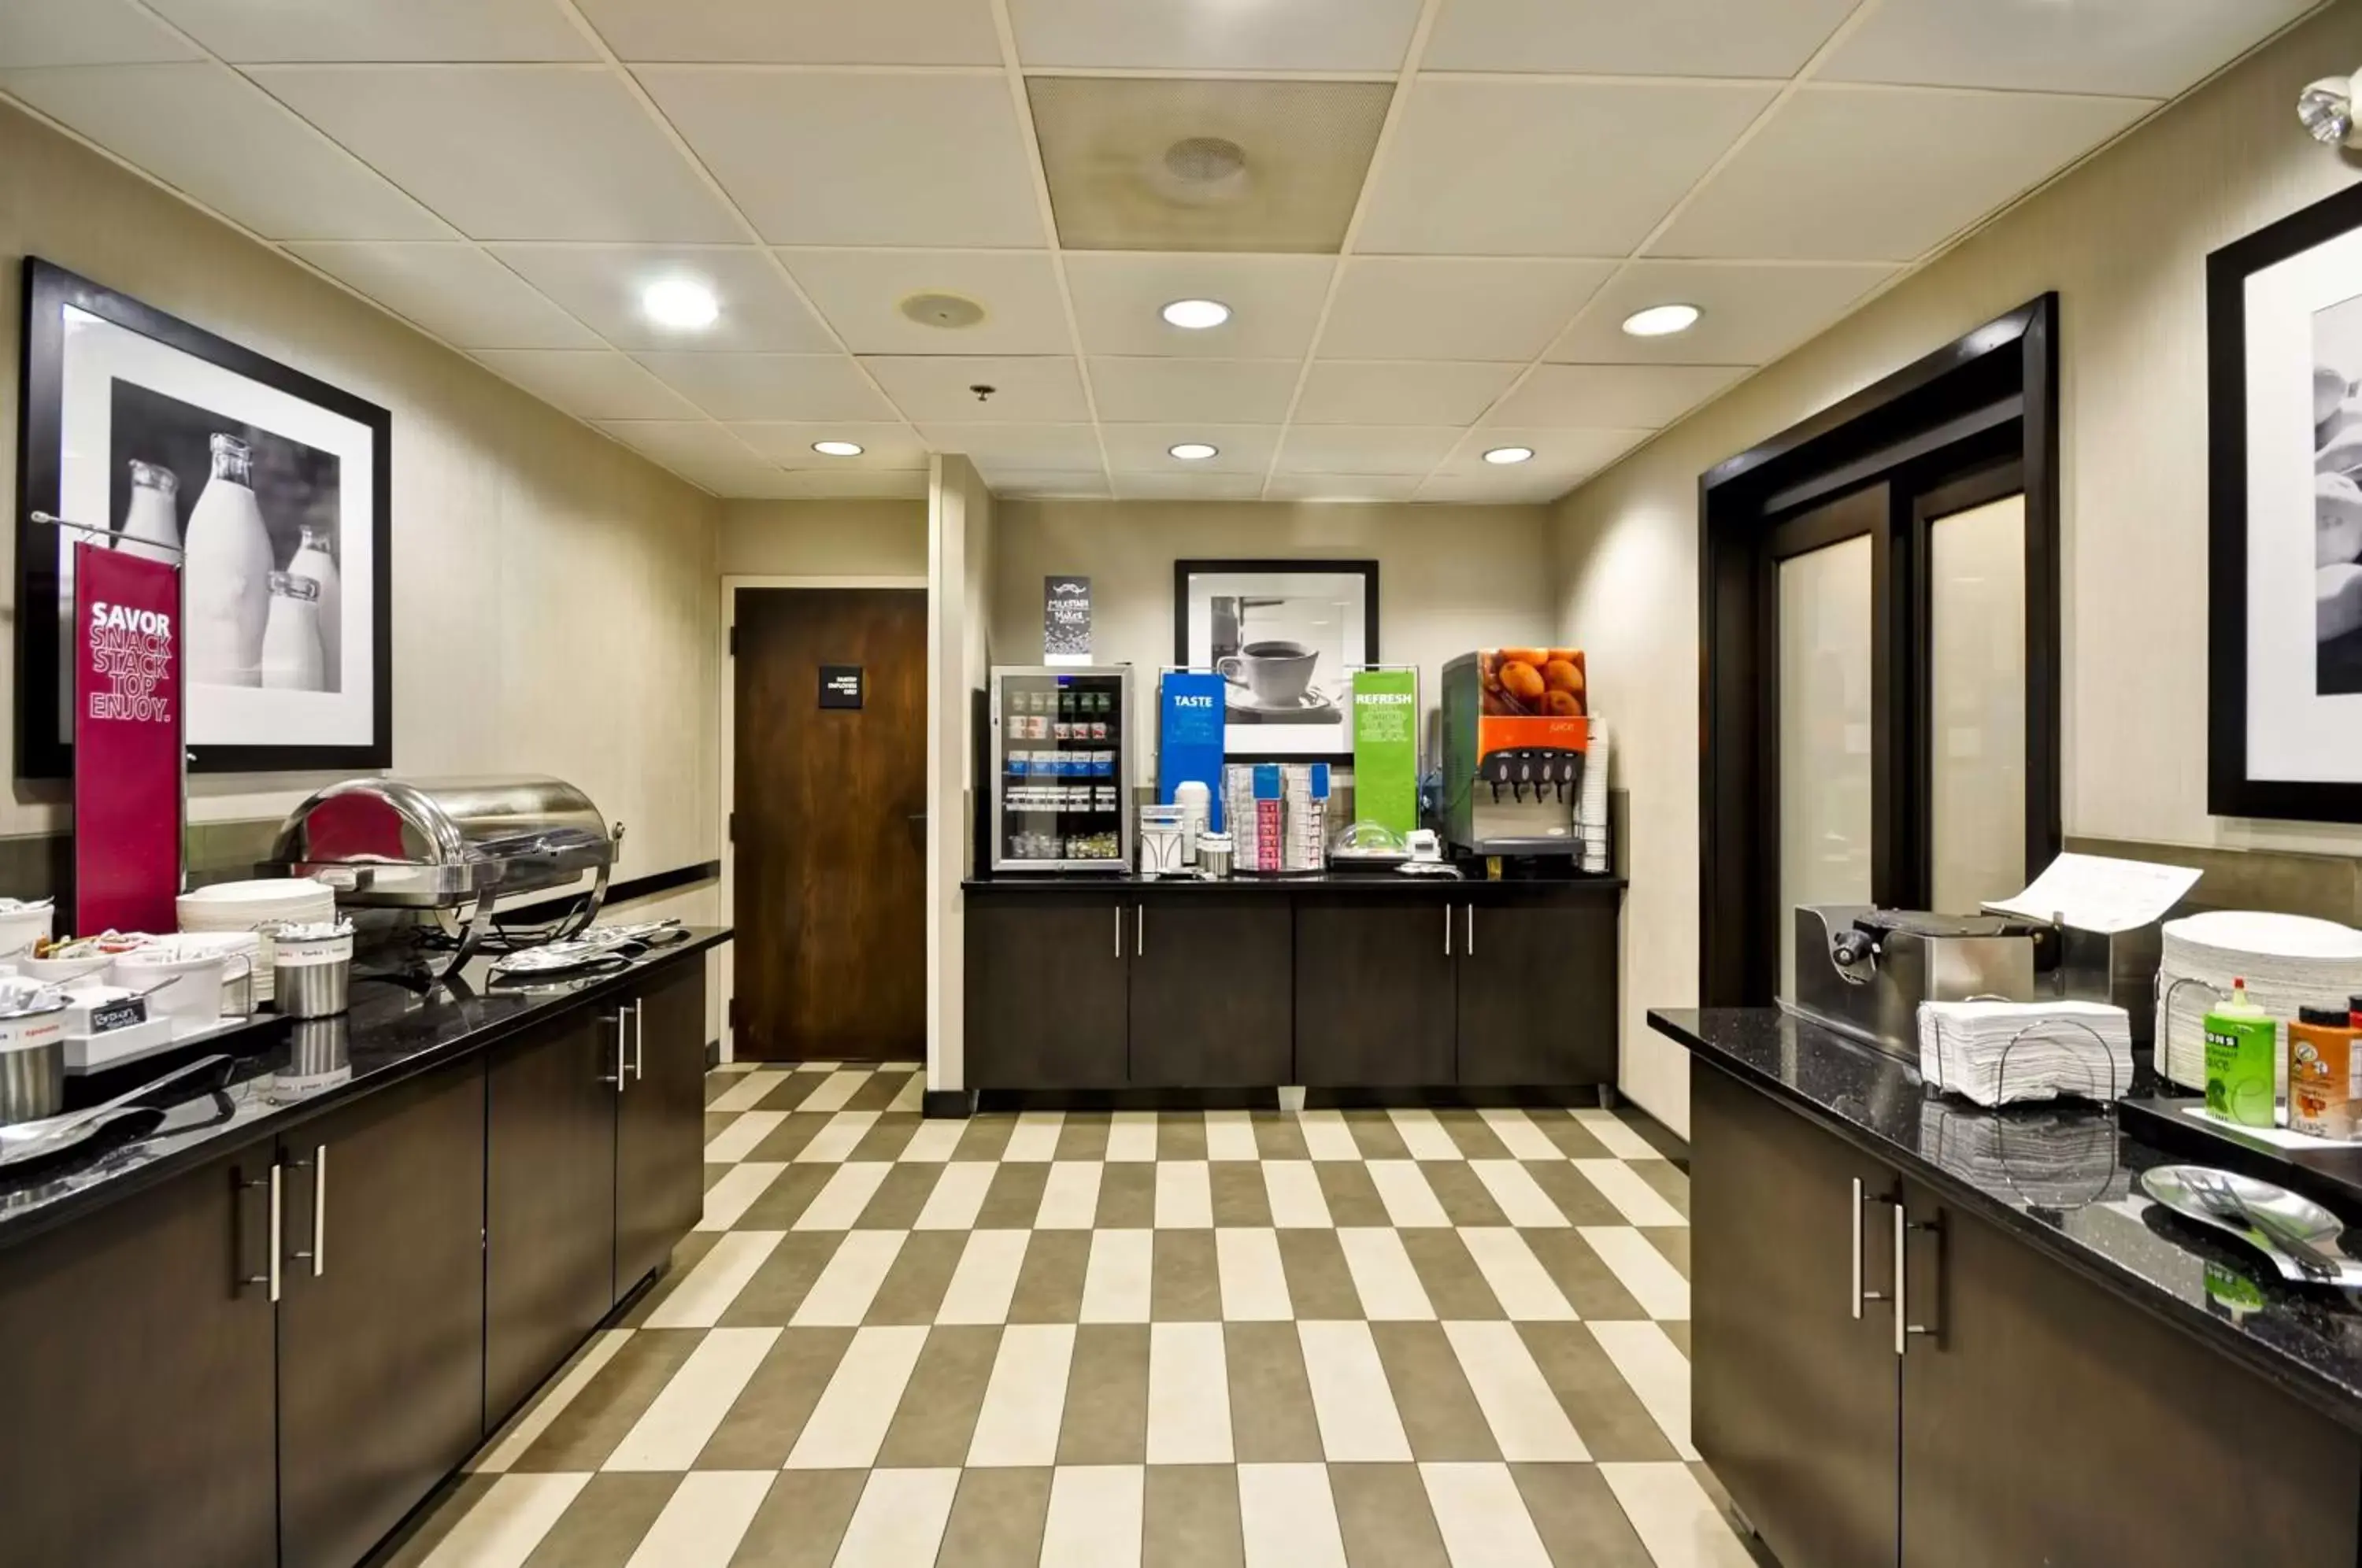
1903,1327
1471,930
270,1275
278,1229
1859,1294
1139,930
1446,931
1119,931
316,1254
616,1082
639,1040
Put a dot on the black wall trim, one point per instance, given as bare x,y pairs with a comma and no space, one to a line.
645,887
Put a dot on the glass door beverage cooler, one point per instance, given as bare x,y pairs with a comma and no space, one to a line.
1062,744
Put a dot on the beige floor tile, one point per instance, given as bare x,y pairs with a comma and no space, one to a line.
762,1427
1453,1282
708,1516
1617,1138
1070,1197
1636,1200
1613,1422
747,1092
1254,1284
605,1524
900,1521
850,1421
880,1089
984,1282
1189,1394
997,1519
1050,1286
1292,1187
802,1519
785,1141
1132,1135
1481,1516
1094,1517
901,1197
848,1192
1423,1136
834,1092
672,1431
1383,1278
1350,1396
1128,1196
727,1200
1288,1517
1318,1280
1185,1196
1107,1397
842,1295
1409,1199
1522,1201
1382,1514
911,1096
1116,1287
1658,1372
1465,1198
1520,1139
1351,1193
1190,1518
1674,1242
1272,1418
1472,1134
508,1521
1572,1140
1279,1135
937,1422
914,1289
1326,1136
1674,1517
783,1203
687,1253
1672,1182
1025,1398
1641,1269
525,1428
1580,1522
771,1297
1678,1331
836,1142
1581,1275
1577,1198
1527,1422
1035,1137
1229,1136
583,1435
987,1138
1515,1277
955,1198
935,1141
1375,1136
737,1141
1440,1414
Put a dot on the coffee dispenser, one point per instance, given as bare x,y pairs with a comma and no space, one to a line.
1516,737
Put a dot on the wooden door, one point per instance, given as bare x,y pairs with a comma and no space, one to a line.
381,1320
549,1200
1213,985
830,829
1374,989
1537,999
1792,1396
660,1123
1046,989
138,1362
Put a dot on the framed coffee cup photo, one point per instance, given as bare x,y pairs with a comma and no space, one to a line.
1286,637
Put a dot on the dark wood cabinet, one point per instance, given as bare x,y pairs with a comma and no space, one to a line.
1537,999
1376,990
140,1381
1212,998
549,1200
660,1123
1048,990
381,1315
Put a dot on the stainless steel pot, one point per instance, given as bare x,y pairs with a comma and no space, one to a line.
33,1061
313,990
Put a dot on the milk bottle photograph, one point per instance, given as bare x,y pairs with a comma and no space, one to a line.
227,581
291,657
315,558
151,524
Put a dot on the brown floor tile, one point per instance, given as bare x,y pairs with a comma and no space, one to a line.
913,1288
686,1255
1477,1138
997,1519
587,1431
1672,1183
1440,1413
802,1520
887,1136
1014,1197
1576,1141
1589,1286
1277,1137
1318,1283
1382,1514
1674,1241
719,1084
895,1205
1190,1518
718,1122
763,1423
423,1532
1050,1286
1454,1283
1580,1524
1107,1397
1185,1285
1239,1196
1660,1136
1127,1195
1463,1196
1375,1134
786,1141
1271,1420
602,1526
1570,1190
1352,1197
878,1092
715,1173
1181,1135
783,1201
937,1415
779,1287
1678,1331
987,1137
1084,1136
1609,1416
792,1091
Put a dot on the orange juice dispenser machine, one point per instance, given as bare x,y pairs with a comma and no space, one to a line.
1516,733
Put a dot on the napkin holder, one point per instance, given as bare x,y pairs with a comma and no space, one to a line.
1863,971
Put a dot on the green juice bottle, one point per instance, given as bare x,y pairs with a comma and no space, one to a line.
2242,1052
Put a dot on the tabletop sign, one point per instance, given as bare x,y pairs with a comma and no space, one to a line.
840,686
1066,619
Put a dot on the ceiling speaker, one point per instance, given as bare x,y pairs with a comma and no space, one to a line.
943,310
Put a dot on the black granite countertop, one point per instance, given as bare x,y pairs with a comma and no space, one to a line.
1383,881
393,1032
2061,1176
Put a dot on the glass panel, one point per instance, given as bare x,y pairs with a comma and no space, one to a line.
1825,734
1976,639
1060,767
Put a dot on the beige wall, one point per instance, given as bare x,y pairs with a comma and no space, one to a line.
536,563
960,542
824,538
2123,240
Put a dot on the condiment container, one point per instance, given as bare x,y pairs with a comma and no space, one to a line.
32,1056
2324,1074
2242,1052
1214,854
313,970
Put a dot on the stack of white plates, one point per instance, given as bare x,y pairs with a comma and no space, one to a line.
2288,961
252,907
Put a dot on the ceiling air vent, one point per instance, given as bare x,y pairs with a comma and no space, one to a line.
943,310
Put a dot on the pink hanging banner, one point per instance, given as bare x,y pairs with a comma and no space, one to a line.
126,739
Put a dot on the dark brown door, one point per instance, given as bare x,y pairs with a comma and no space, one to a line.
660,1123
549,1200
1792,1396
831,831
1046,989
1537,996
139,1371
381,1320
1375,998
1213,989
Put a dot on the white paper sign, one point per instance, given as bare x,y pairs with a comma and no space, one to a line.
2092,892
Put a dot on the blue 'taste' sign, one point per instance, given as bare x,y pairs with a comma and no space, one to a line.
1189,717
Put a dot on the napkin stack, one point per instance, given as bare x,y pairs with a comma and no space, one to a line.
1996,1053
1591,804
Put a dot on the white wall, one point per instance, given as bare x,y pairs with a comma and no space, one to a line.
2123,240
960,533
824,538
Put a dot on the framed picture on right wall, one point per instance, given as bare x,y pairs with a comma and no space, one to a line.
2284,565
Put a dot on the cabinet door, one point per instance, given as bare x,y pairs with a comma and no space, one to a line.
660,1123
1213,983
137,1365
1375,989
1047,990
2047,1420
382,1322
1536,998
1792,1396
549,1200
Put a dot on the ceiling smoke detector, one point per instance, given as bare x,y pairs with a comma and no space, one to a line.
949,311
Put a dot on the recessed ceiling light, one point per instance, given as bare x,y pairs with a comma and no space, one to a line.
1197,315
1509,454
1658,321
1193,451
678,302
837,449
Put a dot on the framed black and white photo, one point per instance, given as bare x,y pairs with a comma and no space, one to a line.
1286,637
271,488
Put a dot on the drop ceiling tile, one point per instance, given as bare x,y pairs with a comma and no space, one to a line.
1873,173
205,130
700,452
1192,486
83,32
1274,303
453,290
1618,38
1420,307
1507,168
822,484
248,33
1430,392
1363,449
1243,391
1755,311
512,152
862,291
884,447
1501,487
1038,449
1341,487
602,284
1216,35
771,386
942,388
1025,484
1619,397
2150,49
818,32
1562,458
592,384
861,158
1147,449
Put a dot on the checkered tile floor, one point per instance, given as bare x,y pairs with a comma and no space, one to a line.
1398,1338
